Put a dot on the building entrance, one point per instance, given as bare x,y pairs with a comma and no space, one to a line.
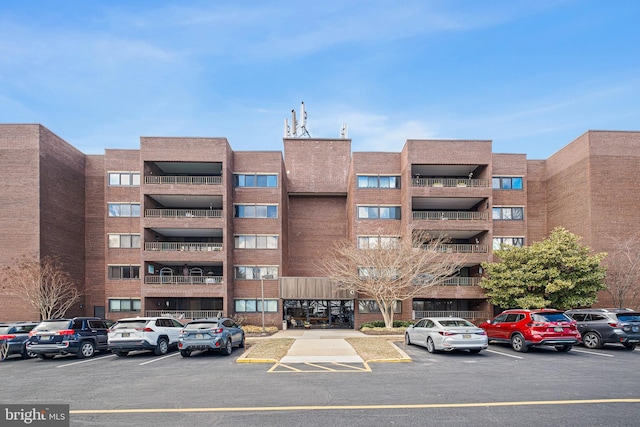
318,314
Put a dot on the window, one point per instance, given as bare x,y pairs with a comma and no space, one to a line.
124,179
255,211
506,183
255,305
376,181
508,214
117,305
373,242
507,241
370,306
255,180
123,272
124,209
124,240
378,212
254,272
254,241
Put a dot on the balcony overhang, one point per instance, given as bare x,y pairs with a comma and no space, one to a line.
316,288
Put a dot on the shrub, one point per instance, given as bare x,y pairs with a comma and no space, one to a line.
380,324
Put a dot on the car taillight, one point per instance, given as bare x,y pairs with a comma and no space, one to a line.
7,337
216,330
446,333
32,333
614,325
535,324
145,330
66,332
481,333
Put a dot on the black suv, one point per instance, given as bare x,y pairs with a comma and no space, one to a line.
600,326
81,336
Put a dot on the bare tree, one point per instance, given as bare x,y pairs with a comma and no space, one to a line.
623,272
43,285
395,269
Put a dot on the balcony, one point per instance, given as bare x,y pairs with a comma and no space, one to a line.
459,248
183,180
450,215
461,281
183,213
185,314
450,182
182,247
183,280
469,315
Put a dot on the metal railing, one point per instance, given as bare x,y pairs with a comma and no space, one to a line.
182,246
450,215
183,213
458,248
182,280
450,182
185,314
461,281
464,314
179,179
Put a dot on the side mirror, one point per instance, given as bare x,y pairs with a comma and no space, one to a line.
489,321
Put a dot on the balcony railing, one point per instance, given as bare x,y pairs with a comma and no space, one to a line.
450,215
458,248
461,281
185,314
469,315
182,246
182,280
183,213
450,182
178,179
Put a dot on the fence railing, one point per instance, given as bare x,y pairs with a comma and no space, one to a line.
450,215
183,213
182,280
182,246
450,182
179,179
458,248
185,314
464,314
461,281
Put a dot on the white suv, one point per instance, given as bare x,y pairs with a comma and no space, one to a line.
144,333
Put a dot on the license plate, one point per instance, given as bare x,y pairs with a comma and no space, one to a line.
45,337
466,336
199,336
125,335
558,329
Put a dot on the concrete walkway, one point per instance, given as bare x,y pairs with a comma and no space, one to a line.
320,345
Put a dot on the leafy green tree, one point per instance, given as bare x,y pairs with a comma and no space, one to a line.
557,272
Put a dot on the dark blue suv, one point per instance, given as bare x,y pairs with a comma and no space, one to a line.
13,338
82,336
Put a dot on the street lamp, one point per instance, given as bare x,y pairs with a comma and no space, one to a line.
266,276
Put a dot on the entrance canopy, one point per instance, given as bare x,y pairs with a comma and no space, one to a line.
313,288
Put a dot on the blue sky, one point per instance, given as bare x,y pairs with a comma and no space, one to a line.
529,75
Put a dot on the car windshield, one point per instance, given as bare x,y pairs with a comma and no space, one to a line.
201,325
454,323
631,317
53,325
130,324
550,317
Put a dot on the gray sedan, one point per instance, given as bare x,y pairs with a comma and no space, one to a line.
220,334
448,334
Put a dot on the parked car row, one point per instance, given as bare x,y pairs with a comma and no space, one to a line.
523,329
84,336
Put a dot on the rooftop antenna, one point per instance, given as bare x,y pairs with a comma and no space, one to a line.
287,129
295,129
303,117
343,131
294,124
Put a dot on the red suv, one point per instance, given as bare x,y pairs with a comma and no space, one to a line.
527,328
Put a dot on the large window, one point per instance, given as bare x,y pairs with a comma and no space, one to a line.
117,305
377,181
124,272
254,272
506,183
124,240
255,305
507,241
508,213
256,241
124,178
255,211
124,209
370,306
373,242
378,212
255,180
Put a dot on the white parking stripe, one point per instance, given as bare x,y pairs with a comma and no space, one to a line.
93,359
158,358
592,352
504,354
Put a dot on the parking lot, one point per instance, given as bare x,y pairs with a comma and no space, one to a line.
588,387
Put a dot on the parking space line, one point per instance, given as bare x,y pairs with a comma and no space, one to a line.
504,354
93,359
158,358
317,367
593,352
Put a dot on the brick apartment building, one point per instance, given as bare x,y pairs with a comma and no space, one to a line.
189,227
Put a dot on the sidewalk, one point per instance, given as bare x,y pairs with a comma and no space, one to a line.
319,345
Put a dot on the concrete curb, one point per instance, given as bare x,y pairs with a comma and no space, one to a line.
404,359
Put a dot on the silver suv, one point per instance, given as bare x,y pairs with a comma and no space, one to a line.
600,326
157,334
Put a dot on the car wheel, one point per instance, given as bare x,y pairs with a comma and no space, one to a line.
162,347
45,356
185,353
630,346
121,353
475,350
431,348
591,340
241,345
86,349
518,343
26,354
564,348
407,340
228,348
4,350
